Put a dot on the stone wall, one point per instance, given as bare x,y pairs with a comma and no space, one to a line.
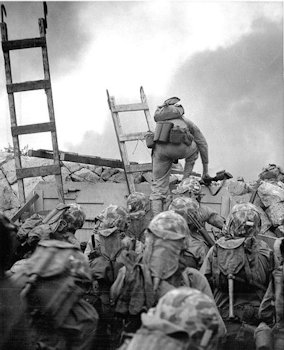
75,172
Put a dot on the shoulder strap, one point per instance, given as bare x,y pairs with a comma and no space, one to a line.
93,241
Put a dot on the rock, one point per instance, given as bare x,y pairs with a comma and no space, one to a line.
275,212
4,182
90,167
98,170
29,162
270,193
85,175
2,176
8,169
5,157
8,199
148,177
71,167
108,172
137,178
65,173
10,213
118,177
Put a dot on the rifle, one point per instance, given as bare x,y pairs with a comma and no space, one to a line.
201,229
220,176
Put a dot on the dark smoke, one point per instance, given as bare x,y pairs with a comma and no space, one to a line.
235,95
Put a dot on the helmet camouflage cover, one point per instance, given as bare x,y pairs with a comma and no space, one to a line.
244,220
113,218
169,225
182,205
190,184
189,311
74,217
137,201
165,239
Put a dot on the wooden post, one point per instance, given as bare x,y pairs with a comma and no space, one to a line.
11,101
48,92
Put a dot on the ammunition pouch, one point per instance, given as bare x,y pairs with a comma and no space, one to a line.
162,132
178,136
166,132
149,138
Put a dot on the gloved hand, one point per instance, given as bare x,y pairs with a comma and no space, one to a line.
205,175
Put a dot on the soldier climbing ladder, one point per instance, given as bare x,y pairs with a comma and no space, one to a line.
129,169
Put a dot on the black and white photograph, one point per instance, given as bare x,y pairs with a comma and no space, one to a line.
141,175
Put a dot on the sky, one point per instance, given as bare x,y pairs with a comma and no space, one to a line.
224,60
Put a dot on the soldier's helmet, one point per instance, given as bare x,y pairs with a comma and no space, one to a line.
182,205
189,311
74,217
137,201
113,218
169,225
244,220
272,171
190,185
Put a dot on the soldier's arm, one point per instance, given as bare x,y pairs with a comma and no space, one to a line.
213,218
199,140
267,310
88,248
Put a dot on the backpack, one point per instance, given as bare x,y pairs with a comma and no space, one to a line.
231,260
50,280
169,110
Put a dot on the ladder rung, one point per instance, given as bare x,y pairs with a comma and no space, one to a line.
132,137
134,168
32,128
25,207
130,107
28,85
23,44
38,171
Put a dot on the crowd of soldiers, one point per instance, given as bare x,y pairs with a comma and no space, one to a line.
150,277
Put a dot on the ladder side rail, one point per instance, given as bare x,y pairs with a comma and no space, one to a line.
50,105
12,109
121,144
146,111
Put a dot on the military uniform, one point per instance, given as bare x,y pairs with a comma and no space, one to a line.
189,187
197,245
138,206
166,152
60,224
184,318
242,264
272,306
105,262
140,285
53,281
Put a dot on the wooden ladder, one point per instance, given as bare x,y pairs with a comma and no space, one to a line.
122,138
7,46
